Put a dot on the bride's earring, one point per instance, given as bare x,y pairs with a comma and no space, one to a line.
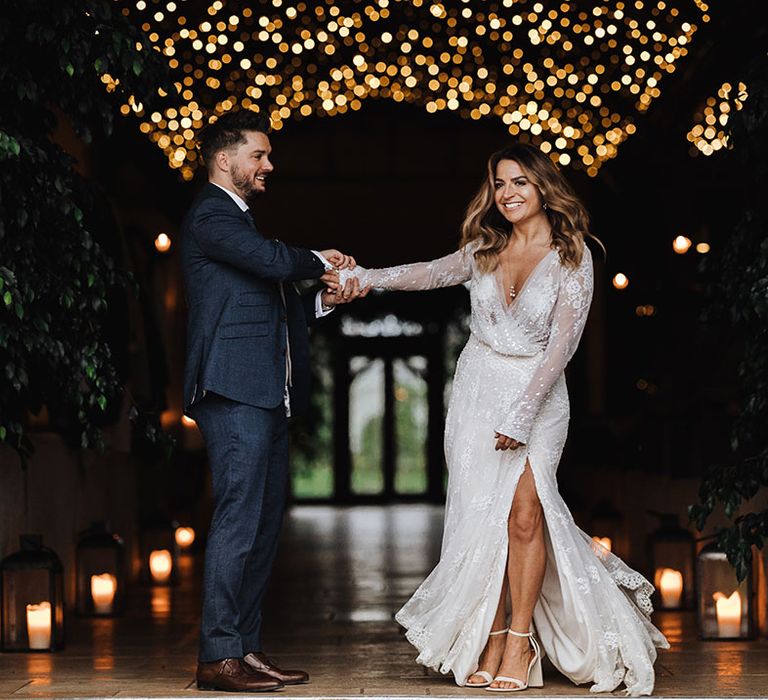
545,205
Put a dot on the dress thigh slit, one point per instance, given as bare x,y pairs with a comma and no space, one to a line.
529,466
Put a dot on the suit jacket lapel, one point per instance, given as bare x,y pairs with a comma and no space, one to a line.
211,190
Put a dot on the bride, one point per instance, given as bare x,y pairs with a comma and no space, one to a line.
512,558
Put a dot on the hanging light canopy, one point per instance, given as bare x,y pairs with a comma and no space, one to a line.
569,76
709,133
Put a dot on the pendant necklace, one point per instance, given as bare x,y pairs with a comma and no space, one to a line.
512,292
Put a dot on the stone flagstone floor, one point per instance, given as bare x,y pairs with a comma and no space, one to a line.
340,576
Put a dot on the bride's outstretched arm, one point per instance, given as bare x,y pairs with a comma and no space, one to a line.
448,271
570,316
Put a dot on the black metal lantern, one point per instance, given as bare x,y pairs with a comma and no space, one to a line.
32,593
725,606
671,552
100,572
159,553
605,526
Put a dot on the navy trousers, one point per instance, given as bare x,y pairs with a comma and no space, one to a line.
248,455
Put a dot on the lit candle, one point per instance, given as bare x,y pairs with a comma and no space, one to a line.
103,588
160,564
185,536
728,614
620,280
39,625
604,541
163,243
670,587
681,244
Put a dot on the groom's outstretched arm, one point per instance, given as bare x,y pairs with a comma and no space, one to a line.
225,236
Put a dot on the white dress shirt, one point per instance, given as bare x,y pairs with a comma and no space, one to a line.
319,310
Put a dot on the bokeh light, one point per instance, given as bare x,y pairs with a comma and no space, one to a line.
709,134
162,243
620,280
681,244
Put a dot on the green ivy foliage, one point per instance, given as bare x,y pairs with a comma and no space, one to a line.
54,277
739,295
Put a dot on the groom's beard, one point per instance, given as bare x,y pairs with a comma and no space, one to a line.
243,184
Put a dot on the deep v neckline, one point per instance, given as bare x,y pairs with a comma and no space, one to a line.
500,282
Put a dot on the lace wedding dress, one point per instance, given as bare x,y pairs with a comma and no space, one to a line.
592,617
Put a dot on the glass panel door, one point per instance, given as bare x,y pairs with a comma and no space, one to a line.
411,413
366,416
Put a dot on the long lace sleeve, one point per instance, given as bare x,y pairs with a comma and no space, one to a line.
448,271
570,316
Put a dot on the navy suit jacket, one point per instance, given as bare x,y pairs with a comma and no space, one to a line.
236,330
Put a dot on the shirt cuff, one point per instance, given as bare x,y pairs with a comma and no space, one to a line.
328,265
319,310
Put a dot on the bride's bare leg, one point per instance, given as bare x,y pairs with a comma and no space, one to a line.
526,563
490,659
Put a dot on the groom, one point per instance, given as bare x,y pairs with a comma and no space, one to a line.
247,370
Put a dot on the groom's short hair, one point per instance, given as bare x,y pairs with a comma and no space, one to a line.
228,131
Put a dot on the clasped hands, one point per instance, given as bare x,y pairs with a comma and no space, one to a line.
334,294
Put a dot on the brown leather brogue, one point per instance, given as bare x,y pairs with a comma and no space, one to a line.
233,675
259,662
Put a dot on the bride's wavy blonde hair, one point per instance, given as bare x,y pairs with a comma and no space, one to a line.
567,216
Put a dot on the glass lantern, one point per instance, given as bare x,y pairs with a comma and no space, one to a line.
159,553
725,606
605,526
100,572
671,555
32,598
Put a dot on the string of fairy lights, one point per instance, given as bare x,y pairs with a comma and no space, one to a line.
571,76
709,134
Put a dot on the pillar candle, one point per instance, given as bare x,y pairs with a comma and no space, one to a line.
103,588
728,614
39,625
670,587
160,564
